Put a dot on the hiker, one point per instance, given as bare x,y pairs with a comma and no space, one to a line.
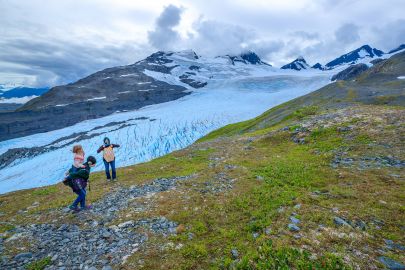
78,159
78,180
108,158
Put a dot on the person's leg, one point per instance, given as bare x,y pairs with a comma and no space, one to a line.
107,169
76,202
112,163
83,198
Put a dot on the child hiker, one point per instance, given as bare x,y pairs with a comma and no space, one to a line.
78,180
78,158
108,158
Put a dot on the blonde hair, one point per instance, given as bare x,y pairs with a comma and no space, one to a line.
77,149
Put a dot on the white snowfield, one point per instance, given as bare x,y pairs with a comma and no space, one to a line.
20,100
233,94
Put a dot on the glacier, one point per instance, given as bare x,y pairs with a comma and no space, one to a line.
155,130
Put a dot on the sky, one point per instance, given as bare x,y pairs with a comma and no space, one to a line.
48,43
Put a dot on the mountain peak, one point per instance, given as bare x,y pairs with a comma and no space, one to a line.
353,56
247,57
318,66
297,64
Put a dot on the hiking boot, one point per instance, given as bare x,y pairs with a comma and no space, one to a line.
87,207
74,208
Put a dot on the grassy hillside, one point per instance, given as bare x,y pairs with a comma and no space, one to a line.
315,183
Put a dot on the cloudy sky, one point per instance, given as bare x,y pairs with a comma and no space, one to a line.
45,42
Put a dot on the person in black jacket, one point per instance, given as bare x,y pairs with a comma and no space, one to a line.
77,180
108,158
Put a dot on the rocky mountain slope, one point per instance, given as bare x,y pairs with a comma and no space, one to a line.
314,183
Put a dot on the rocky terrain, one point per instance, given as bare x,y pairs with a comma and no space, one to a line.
314,183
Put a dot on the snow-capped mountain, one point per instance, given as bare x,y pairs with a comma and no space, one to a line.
352,57
318,66
248,57
297,64
161,77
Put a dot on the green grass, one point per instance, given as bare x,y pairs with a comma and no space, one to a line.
268,257
241,127
6,227
44,191
39,265
305,111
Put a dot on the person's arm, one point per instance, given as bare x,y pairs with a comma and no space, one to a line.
82,174
115,145
100,149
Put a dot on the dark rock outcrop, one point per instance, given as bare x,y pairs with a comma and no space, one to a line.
350,72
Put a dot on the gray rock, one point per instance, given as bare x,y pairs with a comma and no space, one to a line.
294,220
106,234
23,256
234,253
107,267
294,228
391,264
340,222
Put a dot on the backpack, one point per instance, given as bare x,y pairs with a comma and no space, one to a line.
68,182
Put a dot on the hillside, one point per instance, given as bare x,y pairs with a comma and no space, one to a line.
314,183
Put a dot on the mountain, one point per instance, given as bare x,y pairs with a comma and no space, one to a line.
399,48
20,92
355,55
297,64
160,77
318,66
313,183
350,72
248,57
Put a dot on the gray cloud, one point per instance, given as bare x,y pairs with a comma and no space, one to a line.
163,36
217,38
390,35
53,62
348,33
50,46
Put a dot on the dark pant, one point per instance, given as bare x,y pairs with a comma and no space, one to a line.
107,169
81,198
